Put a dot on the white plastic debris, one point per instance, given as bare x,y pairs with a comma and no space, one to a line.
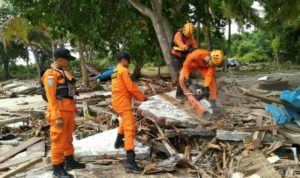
264,78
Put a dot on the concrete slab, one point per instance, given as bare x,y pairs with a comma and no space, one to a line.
232,135
24,89
11,85
101,144
35,103
160,107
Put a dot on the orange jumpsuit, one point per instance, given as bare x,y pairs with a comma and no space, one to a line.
123,89
61,138
195,60
183,42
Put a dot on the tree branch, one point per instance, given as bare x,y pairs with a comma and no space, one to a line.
157,6
141,7
179,4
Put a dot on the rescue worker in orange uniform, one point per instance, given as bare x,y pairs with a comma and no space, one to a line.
183,43
123,91
59,87
205,62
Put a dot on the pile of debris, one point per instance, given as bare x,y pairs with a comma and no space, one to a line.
243,141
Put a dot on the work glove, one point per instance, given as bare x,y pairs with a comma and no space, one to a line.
190,49
187,82
205,91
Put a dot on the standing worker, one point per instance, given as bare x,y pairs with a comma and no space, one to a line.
182,44
123,90
206,63
59,91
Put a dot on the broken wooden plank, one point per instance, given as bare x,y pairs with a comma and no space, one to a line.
267,99
257,164
187,152
154,144
19,148
9,120
274,146
292,127
15,162
198,131
38,149
162,166
21,168
292,136
257,128
165,141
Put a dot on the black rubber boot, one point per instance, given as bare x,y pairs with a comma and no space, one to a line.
130,164
179,93
70,163
60,172
216,109
119,141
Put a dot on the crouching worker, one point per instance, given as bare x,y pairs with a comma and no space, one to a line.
58,88
205,62
123,90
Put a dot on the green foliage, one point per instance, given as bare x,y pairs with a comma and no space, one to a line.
252,47
22,72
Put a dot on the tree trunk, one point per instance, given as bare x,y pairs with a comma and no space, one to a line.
36,60
6,71
229,38
90,55
168,30
157,20
53,46
198,34
207,27
137,70
84,74
228,46
164,45
27,66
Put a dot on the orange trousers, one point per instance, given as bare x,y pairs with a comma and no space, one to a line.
127,127
62,138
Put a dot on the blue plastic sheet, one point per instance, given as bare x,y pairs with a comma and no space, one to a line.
279,114
292,97
286,114
105,75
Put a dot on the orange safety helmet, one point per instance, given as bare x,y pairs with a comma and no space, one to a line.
217,57
188,29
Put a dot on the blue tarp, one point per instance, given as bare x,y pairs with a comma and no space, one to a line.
286,114
292,97
105,75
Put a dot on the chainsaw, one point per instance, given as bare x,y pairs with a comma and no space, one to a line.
197,98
